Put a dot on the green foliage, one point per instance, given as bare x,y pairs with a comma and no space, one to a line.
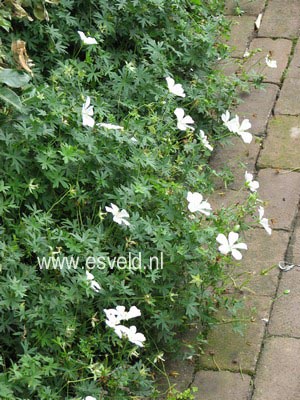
58,176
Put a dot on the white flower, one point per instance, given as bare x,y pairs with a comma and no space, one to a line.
90,398
133,139
235,127
271,63
264,221
86,40
94,284
135,337
205,141
110,126
87,113
176,89
196,203
229,246
116,315
253,185
183,121
119,216
131,334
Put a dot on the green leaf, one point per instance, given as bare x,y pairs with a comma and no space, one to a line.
13,78
11,97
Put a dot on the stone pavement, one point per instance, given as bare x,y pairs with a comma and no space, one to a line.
264,363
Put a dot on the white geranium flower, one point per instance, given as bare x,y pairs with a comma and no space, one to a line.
110,126
229,246
183,122
87,113
233,125
205,141
175,88
118,314
119,216
196,203
115,316
94,284
87,40
264,221
135,337
251,184
271,63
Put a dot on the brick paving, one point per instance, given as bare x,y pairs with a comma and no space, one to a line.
263,364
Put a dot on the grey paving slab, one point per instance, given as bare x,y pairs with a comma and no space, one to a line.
281,19
281,192
282,145
285,318
229,199
221,385
229,350
278,372
229,66
294,67
236,156
258,271
257,106
241,32
289,98
249,7
279,49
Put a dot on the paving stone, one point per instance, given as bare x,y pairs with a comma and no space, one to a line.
294,67
278,373
229,350
227,199
229,66
257,106
280,50
281,192
241,32
281,19
180,375
285,319
289,99
223,385
249,7
236,156
258,271
281,146
180,372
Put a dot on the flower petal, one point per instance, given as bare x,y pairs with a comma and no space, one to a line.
232,238
236,254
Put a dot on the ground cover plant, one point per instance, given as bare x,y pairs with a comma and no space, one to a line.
109,113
